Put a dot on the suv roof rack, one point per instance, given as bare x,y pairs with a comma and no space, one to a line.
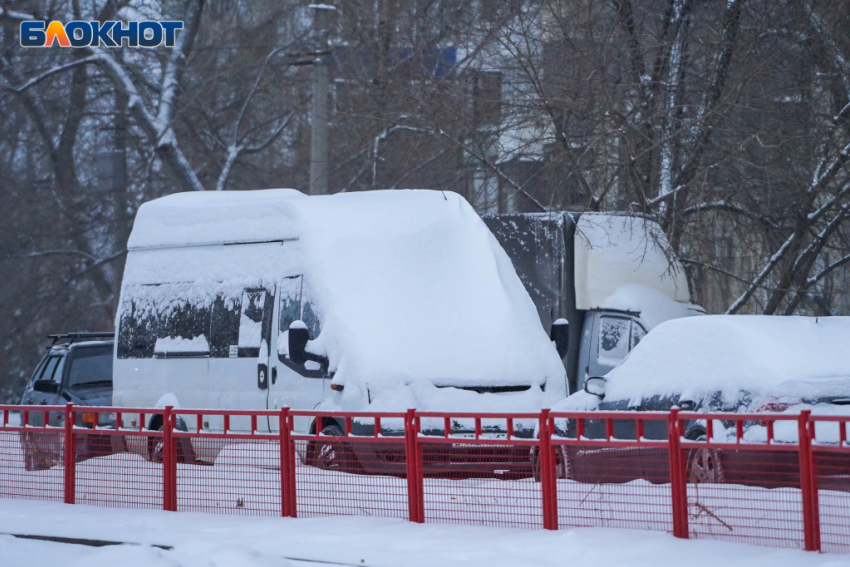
83,335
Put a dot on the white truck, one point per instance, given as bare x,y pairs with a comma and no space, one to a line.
600,282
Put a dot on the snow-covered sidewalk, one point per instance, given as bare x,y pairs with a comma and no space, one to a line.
214,540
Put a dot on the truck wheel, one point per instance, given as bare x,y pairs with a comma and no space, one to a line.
331,454
704,465
562,466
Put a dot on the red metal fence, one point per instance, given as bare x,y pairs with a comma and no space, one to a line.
770,479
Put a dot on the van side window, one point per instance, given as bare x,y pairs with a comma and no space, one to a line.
167,318
290,302
311,319
251,322
174,321
224,326
137,331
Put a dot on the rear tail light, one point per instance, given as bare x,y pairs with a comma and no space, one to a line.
773,407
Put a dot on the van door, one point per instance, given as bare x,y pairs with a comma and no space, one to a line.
240,343
297,386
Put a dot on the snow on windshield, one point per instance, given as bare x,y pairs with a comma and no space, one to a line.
408,285
792,357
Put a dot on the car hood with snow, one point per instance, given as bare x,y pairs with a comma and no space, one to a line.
416,297
746,362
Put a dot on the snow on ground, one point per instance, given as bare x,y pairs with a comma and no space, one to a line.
212,541
244,482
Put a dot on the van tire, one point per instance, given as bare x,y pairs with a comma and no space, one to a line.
185,452
332,455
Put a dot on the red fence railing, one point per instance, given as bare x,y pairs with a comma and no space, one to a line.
771,479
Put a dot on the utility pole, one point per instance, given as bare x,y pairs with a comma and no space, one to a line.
319,158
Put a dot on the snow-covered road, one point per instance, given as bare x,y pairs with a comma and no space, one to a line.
214,540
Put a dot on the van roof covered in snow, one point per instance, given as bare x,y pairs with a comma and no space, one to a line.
410,285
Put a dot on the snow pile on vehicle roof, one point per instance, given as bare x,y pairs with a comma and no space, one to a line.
613,250
409,285
184,219
653,306
697,357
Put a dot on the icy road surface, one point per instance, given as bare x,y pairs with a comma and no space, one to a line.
221,541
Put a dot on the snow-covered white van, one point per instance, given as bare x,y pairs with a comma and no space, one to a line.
385,300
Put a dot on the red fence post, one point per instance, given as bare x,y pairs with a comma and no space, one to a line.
287,478
169,467
415,480
70,456
548,475
678,482
808,482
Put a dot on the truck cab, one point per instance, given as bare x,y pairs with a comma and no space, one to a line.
600,282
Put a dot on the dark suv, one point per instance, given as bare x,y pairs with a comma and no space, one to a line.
77,369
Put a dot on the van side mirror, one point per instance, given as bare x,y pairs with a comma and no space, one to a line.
595,386
298,337
45,386
560,335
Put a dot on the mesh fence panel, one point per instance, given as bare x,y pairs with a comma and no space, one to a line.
622,487
746,496
31,465
832,463
108,475
243,478
480,484
350,477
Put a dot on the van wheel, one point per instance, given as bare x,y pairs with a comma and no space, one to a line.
704,465
156,446
331,454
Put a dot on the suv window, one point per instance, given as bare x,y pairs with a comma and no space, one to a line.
91,365
49,372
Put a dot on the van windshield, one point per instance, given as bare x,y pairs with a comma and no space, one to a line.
90,366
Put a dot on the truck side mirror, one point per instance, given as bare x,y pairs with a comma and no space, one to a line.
45,386
595,386
560,335
298,337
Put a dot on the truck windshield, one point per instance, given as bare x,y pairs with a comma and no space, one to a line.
90,366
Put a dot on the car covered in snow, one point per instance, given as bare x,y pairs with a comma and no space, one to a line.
730,363
77,368
377,301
